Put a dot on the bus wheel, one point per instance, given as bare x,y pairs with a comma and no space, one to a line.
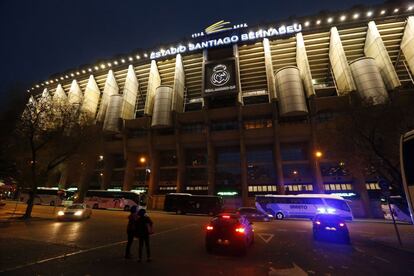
126,208
52,203
95,206
279,216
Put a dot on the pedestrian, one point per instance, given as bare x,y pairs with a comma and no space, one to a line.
132,218
143,230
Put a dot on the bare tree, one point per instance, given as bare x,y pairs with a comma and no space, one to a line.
367,137
47,134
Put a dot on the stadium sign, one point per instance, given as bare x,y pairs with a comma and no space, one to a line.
227,40
220,76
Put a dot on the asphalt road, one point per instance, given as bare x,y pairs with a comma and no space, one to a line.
96,247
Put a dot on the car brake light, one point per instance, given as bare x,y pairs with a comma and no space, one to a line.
240,230
226,216
342,224
318,222
209,227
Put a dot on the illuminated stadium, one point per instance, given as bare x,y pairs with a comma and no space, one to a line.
232,110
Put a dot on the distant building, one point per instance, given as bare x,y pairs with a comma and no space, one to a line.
230,110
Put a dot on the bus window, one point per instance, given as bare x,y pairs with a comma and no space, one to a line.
337,204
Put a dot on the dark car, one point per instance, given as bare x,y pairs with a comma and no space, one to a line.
330,227
231,231
253,214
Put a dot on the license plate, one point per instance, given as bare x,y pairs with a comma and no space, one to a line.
330,228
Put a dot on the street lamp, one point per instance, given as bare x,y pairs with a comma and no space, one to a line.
318,154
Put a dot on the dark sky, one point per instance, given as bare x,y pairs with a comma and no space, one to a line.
43,37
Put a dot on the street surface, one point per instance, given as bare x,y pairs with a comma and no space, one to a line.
96,246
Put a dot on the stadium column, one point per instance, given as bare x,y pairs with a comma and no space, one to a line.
313,148
180,158
341,71
243,160
361,189
131,163
211,155
407,43
270,77
154,166
375,48
87,168
277,157
107,171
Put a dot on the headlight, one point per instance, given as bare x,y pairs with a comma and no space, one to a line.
61,213
269,215
78,213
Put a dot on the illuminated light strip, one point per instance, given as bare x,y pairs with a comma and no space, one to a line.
217,27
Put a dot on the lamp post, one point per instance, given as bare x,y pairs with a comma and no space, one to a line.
318,176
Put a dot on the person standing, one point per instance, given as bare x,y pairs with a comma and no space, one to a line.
143,231
132,218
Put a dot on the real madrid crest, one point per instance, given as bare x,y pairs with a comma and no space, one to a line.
220,75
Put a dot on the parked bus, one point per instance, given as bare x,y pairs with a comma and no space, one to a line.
399,209
303,205
407,169
182,203
46,196
101,199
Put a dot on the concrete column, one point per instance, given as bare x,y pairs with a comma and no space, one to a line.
130,95
66,172
179,85
407,43
87,168
270,77
154,167
277,156
238,81
243,161
129,175
303,65
91,97
154,80
361,189
107,171
180,161
340,67
60,96
110,88
75,94
375,48
211,169
313,147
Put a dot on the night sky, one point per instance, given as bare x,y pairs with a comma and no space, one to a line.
40,38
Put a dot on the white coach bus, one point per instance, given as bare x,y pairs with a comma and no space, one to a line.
303,205
101,199
46,196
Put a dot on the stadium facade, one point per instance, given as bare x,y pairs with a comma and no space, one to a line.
234,109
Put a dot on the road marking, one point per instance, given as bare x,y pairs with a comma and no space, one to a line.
363,232
266,237
87,250
296,271
359,249
382,259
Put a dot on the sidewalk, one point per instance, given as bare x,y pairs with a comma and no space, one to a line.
13,211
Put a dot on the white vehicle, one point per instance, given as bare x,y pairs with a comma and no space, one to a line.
101,199
303,205
399,209
407,169
46,196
